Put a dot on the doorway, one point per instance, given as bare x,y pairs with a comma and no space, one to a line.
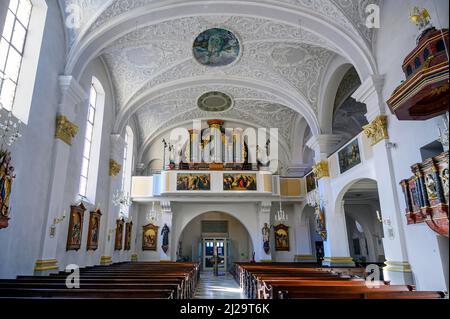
212,246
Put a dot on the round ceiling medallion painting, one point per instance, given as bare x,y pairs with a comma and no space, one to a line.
215,102
216,47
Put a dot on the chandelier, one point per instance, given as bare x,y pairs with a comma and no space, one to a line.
281,215
152,215
9,128
121,198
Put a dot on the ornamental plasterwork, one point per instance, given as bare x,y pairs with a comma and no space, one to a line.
259,113
325,8
160,53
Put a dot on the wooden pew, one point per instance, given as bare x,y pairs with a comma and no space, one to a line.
164,280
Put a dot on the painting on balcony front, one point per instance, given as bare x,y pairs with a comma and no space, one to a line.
193,182
239,182
349,156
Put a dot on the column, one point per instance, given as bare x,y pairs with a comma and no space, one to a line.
238,146
194,149
112,215
263,220
397,269
166,219
336,246
304,251
72,95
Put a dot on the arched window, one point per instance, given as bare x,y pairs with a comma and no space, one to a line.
127,164
12,48
92,142
19,54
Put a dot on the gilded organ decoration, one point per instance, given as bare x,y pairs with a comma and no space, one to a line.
377,130
65,130
426,194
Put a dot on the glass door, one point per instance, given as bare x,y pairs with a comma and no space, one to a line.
212,247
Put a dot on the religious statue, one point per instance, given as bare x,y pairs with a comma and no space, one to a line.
165,233
430,183
445,184
6,179
320,223
266,238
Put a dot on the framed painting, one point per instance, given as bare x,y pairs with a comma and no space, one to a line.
75,233
239,182
150,237
193,182
310,183
94,230
281,237
128,230
349,156
119,234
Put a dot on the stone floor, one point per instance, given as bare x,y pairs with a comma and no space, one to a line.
221,287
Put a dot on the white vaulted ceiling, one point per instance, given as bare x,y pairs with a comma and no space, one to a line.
155,56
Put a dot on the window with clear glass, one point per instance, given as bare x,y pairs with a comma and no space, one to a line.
88,137
12,47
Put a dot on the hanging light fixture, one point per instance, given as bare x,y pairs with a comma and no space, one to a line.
281,215
152,215
9,128
121,198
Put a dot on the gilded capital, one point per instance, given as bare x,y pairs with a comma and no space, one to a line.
377,130
321,170
65,130
114,168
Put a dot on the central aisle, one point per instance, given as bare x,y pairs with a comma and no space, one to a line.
221,287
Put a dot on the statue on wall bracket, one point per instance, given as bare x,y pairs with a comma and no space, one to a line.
266,238
165,235
6,179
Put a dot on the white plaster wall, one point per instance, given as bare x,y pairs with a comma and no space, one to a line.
32,158
284,256
365,214
395,40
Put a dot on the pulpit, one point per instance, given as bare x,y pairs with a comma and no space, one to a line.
424,93
427,194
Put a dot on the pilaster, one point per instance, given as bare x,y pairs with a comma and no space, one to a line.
397,267
72,95
263,220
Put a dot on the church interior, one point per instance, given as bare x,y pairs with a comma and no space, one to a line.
248,149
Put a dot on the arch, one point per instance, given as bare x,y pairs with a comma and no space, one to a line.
247,232
341,193
336,72
251,229
348,41
291,99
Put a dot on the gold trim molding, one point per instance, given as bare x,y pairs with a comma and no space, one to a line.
377,130
65,130
397,266
134,258
321,170
46,264
332,261
114,168
105,260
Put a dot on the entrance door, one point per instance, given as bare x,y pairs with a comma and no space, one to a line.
210,246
